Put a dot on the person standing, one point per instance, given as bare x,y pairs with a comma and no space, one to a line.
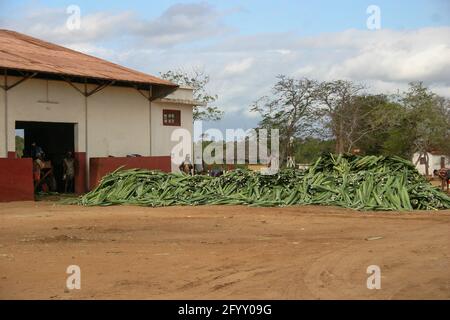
36,151
444,174
38,165
186,166
199,165
69,172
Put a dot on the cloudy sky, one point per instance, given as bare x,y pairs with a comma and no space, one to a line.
244,45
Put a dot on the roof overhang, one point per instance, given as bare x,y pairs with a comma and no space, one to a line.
181,101
157,90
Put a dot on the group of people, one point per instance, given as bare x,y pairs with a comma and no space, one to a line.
188,168
43,174
199,168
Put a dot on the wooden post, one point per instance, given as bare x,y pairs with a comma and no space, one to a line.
86,139
150,117
6,113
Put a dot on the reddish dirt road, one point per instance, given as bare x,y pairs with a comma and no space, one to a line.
221,252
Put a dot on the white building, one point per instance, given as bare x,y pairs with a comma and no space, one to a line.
436,161
65,100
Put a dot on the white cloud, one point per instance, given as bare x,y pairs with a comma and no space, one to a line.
243,68
179,24
236,68
50,24
401,56
98,51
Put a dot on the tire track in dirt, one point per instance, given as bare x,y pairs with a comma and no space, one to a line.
201,253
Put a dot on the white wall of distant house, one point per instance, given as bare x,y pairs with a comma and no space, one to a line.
434,162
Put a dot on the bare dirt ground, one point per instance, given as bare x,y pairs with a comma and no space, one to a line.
221,252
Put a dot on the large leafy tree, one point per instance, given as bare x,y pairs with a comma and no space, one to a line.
197,80
342,113
427,120
366,120
288,109
308,149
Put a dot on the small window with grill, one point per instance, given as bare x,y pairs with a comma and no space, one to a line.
172,117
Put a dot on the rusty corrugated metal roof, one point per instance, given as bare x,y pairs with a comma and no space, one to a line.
22,52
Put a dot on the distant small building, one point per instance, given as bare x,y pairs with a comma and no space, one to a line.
436,161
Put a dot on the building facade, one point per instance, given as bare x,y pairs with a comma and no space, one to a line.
67,101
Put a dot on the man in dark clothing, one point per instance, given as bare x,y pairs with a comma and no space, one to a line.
36,151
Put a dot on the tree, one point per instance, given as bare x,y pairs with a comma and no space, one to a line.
20,145
428,120
198,81
443,110
342,115
289,110
307,149
364,118
385,138
337,104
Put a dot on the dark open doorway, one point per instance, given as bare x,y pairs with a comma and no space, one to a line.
55,138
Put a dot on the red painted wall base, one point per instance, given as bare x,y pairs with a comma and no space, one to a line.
16,180
99,167
16,175
80,172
